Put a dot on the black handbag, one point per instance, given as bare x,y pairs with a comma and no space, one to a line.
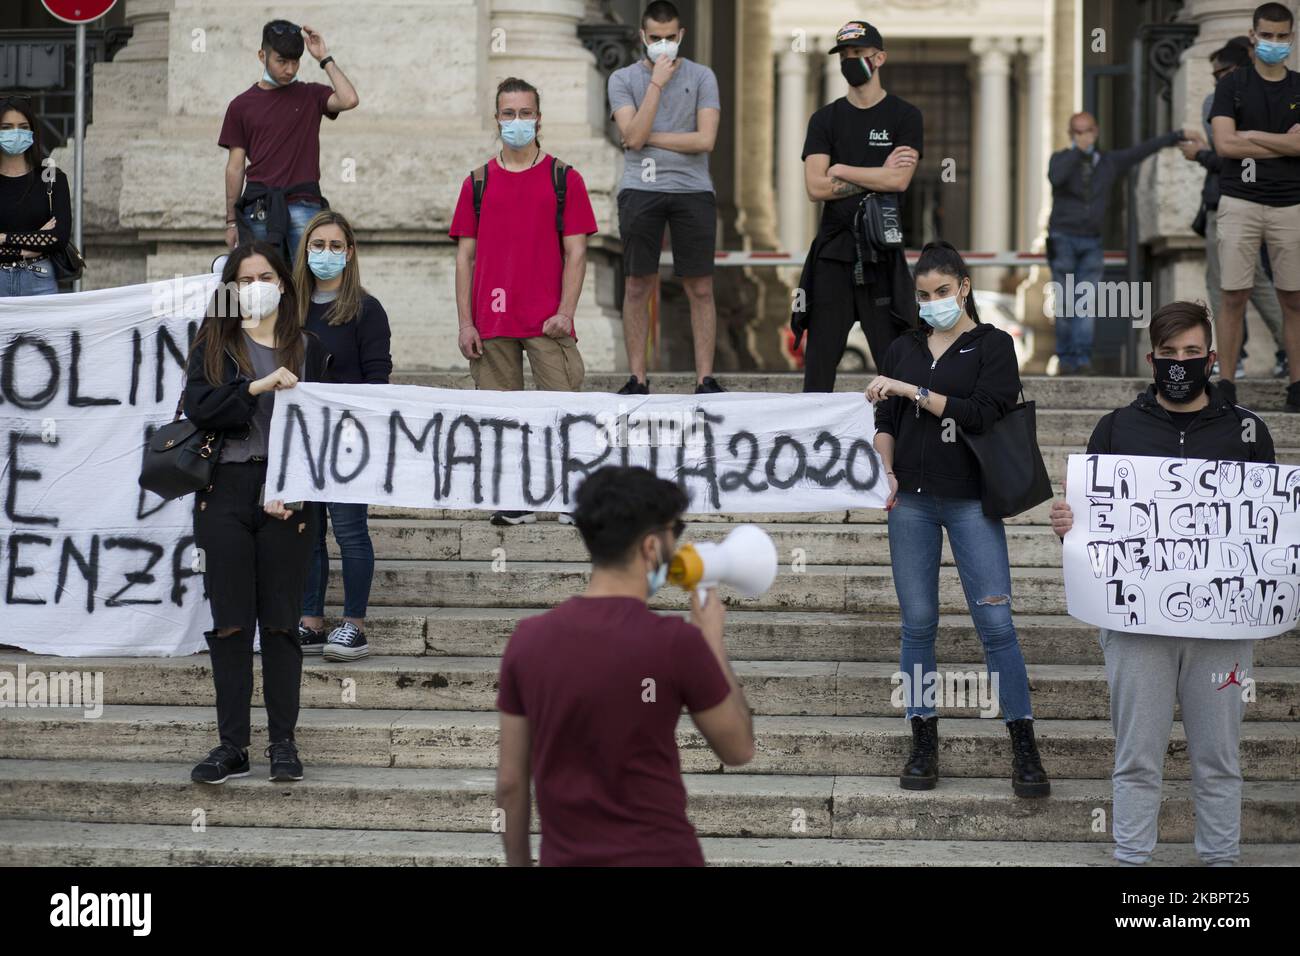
66,259
179,457
1013,476
877,230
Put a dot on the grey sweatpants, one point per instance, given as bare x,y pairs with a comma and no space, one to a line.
1147,674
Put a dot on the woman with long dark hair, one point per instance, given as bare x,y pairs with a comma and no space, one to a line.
35,209
953,372
354,329
255,551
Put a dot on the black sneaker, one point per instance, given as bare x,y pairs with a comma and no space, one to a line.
1283,367
285,765
1292,398
221,763
312,640
634,387
347,643
503,519
708,385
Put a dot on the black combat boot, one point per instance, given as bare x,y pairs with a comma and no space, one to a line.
1028,778
922,769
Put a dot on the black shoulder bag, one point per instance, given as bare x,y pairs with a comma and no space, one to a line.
179,458
1013,476
877,230
65,258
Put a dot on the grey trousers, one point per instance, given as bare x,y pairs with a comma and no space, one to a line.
1147,674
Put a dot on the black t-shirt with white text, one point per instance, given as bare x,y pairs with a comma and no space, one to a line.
1270,107
857,137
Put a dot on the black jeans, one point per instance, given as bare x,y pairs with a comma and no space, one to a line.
836,304
254,570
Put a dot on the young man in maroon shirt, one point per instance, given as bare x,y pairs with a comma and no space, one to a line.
592,691
274,128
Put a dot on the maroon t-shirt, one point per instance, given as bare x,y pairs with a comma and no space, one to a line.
279,129
603,748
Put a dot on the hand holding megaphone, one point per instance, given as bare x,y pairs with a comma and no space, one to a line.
744,559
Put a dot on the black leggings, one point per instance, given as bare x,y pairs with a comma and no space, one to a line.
255,567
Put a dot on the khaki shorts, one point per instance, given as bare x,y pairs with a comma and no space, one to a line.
1242,225
556,364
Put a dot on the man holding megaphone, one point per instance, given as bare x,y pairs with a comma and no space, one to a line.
591,692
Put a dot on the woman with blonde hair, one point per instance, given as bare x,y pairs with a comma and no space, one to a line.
353,327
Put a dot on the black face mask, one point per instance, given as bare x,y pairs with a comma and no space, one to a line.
856,70
1181,380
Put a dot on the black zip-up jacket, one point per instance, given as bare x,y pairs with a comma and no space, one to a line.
1145,428
229,407
979,376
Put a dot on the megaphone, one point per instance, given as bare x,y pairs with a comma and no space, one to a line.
744,559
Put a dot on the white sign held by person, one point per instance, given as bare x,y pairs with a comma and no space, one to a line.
1183,546
89,562
424,447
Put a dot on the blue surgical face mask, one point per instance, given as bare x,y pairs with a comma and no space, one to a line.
656,579
940,314
518,133
325,264
15,141
266,76
1270,52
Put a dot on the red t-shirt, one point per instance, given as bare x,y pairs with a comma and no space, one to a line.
604,757
279,129
518,265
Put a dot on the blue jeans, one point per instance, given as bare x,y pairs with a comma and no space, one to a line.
1080,257
39,279
353,536
979,546
300,213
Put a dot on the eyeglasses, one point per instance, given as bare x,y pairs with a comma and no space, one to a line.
320,245
524,114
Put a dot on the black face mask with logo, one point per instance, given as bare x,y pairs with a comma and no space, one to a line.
856,70
1181,380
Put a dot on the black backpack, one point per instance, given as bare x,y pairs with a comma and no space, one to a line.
559,179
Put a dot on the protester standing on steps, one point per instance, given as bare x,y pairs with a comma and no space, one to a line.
35,209
866,142
255,548
521,226
956,372
591,694
272,134
668,111
353,327
1180,415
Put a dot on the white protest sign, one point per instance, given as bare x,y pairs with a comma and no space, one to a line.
1183,546
89,562
529,451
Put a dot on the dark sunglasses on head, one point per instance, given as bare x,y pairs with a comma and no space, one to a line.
16,96
280,29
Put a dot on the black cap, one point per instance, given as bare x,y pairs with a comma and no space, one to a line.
857,33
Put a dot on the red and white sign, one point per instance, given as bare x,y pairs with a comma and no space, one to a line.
78,11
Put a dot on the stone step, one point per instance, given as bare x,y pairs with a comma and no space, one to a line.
58,843
753,805
449,540
768,635
1101,393
864,746
772,688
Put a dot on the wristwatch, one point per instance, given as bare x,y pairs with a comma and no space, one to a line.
922,394
327,61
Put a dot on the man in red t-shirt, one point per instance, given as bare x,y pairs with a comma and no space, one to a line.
274,128
517,277
591,694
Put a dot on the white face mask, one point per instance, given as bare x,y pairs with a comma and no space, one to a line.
662,48
259,299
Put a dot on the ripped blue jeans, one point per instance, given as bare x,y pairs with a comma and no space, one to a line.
979,546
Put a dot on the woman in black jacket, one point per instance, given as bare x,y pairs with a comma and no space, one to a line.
35,211
952,373
255,552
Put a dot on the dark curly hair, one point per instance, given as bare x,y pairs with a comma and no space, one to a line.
617,507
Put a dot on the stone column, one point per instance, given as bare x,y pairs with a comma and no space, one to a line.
1034,176
991,215
834,82
792,68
